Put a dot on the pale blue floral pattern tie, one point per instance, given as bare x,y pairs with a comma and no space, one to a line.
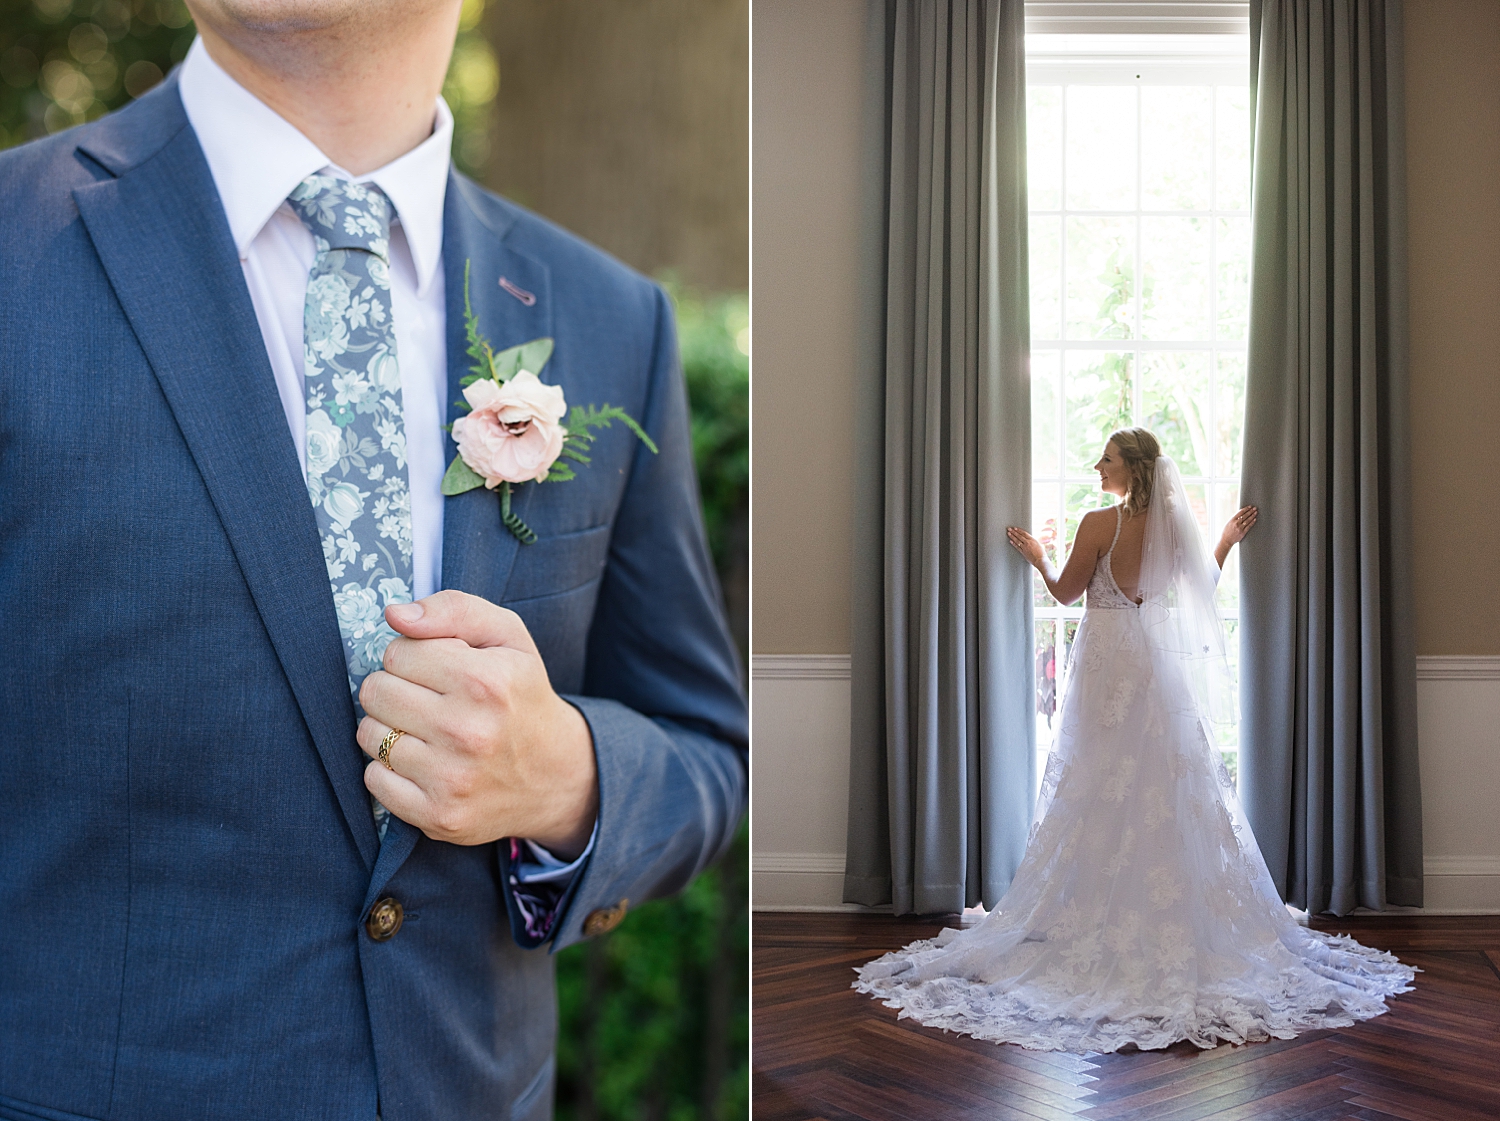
356,435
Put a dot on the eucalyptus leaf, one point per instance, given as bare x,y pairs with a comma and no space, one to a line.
460,477
528,356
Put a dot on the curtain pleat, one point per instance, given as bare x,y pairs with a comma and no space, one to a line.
1329,776
942,730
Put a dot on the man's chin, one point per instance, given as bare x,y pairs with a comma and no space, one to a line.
272,17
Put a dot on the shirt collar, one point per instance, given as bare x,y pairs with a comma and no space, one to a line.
257,158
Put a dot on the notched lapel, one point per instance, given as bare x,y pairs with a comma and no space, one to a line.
478,551
162,238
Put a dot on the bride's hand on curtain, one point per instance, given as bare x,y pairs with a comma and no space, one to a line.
1234,532
1027,545
1093,537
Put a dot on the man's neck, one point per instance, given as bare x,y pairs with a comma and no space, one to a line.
364,99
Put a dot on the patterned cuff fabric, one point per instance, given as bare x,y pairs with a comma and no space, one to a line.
537,884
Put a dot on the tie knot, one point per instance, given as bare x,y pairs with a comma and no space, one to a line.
344,215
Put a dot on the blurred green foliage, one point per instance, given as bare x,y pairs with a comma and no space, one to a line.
654,1020
714,338
654,1016
469,89
63,62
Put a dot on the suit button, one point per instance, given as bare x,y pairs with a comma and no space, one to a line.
385,919
604,919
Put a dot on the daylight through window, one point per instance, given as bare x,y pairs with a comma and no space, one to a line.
1139,182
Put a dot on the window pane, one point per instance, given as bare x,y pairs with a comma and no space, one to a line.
1198,500
1080,498
1232,648
1174,262
1229,410
1044,417
1101,147
1046,516
1234,277
1174,405
1176,148
1232,766
1044,130
1101,278
1046,669
1046,525
1045,250
1232,171
1070,631
1098,395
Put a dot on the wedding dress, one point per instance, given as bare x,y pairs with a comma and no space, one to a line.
1142,911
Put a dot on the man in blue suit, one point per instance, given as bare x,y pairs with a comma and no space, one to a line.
260,856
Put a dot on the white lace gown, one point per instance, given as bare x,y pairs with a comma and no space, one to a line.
1142,912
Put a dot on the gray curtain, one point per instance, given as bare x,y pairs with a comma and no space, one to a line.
1329,773
942,751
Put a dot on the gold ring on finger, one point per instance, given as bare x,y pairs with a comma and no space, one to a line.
386,744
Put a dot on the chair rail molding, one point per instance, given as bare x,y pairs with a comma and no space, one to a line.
785,667
1458,667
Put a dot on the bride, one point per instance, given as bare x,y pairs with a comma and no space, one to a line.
1142,912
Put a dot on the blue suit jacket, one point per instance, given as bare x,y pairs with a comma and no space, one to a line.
186,848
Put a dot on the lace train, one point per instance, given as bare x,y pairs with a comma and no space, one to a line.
1142,912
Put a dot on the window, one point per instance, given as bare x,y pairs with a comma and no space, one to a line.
1138,173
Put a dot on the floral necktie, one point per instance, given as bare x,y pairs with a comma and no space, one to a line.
356,436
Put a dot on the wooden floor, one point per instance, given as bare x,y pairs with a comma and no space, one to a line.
821,1050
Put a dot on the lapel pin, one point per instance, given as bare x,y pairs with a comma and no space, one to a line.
518,292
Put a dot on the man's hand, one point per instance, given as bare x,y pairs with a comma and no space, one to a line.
490,750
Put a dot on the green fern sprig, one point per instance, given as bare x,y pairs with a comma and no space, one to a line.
584,417
479,346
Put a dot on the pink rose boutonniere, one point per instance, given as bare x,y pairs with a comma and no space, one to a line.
514,432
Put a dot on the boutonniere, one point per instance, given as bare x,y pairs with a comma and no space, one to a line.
514,432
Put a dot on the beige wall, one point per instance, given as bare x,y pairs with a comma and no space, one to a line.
1453,168
807,123
810,140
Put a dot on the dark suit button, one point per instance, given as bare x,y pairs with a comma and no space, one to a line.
604,919
385,919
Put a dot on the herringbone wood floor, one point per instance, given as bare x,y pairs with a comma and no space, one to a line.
822,1051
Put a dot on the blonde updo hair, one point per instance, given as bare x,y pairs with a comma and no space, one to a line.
1139,449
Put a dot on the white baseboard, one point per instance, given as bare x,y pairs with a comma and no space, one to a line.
819,909
814,862
814,882
1461,866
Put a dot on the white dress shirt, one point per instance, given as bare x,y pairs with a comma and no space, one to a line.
257,158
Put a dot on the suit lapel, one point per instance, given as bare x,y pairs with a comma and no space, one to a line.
478,551
161,235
